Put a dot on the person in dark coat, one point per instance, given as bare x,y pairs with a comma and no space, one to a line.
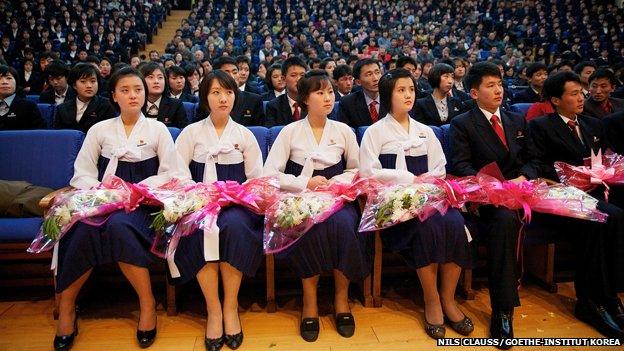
285,109
362,108
58,90
16,112
157,104
537,73
439,107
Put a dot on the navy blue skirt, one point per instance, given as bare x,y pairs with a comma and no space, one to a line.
333,244
125,237
439,239
240,233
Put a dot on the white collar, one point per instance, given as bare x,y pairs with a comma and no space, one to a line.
291,102
9,99
157,103
566,119
369,100
80,104
64,95
242,87
489,115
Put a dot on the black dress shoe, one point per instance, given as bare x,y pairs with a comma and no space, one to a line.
501,328
616,310
65,342
597,316
309,329
345,324
146,337
214,344
463,327
234,341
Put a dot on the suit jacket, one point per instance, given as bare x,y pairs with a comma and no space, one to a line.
592,107
269,95
554,141
187,97
23,114
527,95
353,110
47,97
248,109
252,88
614,130
97,110
278,112
171,112
35,83
474,144
463,96
426,112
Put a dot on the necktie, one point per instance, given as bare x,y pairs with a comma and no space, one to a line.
498,129
572,124
296,113
373,111
606,107
152,110
4,108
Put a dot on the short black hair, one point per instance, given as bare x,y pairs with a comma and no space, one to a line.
175,71
436,73
93,59
224,79
57,69
123,72
447,61
405,60
325,61
579,67
478,71
312,81
222,61
313,61
387,82
243,59
267,77
292,62
603,73
6,70
357,69
554,86
190,68
341,71
534,68
82,70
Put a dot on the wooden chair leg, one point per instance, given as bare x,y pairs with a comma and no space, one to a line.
366,286
376,291
172,308
539,262
465,285
57,299
270,284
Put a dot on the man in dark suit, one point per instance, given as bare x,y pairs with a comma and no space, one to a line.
479,137
16,112
248,108
362,108
439,107
600,103
58,89
568,136
415,68
87,108
274,80
343,77
614,129
243,63
176,81
536,73
157,104
284,108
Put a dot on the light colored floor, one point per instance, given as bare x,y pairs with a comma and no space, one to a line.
28,325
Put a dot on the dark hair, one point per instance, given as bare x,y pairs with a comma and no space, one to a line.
325,61
603,73
190,68
387,82
478,71
243,59
223,60
313,61
226,81
292,62
267,77
149,68
579,67
93,59
312,81
123,72
341,71
534,68
82,70
435,75
447,61
57,69
405,60
6,70
175,71
357,68
554,86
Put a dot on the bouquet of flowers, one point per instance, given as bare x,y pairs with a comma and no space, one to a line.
264,190
91,206
607,169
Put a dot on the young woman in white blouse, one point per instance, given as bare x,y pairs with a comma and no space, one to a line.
309,153
217,148
138,150
395,150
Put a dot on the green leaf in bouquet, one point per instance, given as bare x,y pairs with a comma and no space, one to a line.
51,228
159,223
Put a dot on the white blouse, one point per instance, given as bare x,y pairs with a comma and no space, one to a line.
388,137
296,142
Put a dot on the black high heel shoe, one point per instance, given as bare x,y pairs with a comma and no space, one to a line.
214,344
146,337
236,340
65,342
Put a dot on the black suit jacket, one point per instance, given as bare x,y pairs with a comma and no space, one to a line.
463,96
474,144
426,112
269,95
554,141
171,112
278,112
614,131
47,97
252,88
98,109
593,109
248,109
187,97
23,114
527,95
353,110
35,83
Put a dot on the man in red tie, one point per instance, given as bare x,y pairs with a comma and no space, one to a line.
568,136
479,137
362,108
284,108
600,103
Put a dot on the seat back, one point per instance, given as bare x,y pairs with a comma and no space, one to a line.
521,108
273,133
47,113
262,136
175,132
189,108
33,98
41,157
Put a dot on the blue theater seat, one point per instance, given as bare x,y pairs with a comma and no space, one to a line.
33,98
189,108
521,108
262,136
47,113
273,132
175,132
